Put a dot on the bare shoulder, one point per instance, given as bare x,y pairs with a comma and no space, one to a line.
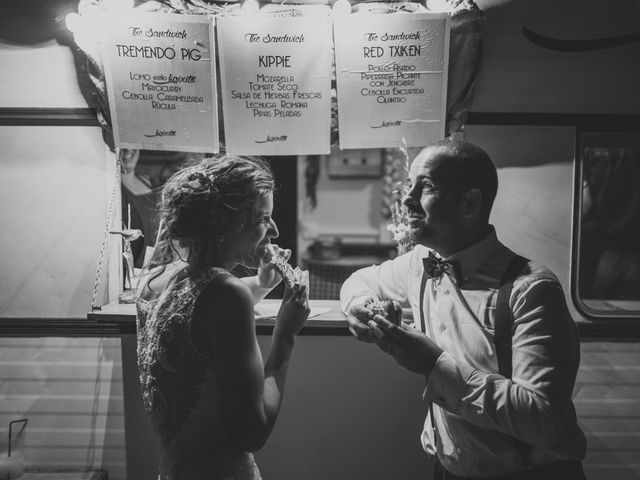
227,287
225,297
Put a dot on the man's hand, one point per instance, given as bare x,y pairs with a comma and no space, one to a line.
358,319
412,349
268,276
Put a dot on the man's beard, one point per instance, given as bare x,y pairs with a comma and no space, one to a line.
418,234
423,234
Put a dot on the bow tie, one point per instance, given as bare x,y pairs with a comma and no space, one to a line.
435,267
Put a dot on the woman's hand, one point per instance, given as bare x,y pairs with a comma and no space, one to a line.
294,310
268,275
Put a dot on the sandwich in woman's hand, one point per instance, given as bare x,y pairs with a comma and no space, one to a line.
290,275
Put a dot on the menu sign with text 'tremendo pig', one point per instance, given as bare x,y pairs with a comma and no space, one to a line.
161,82
275,83
391,77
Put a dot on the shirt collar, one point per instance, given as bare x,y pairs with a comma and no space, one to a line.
472,257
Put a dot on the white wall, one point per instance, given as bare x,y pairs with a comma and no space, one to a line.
38,76
54,192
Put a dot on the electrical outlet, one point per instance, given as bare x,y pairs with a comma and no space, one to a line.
365,163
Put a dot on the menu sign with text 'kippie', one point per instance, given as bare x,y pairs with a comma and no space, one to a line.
391,77
275,83
161,82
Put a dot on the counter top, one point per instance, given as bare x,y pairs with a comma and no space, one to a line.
47,474
358,261
325,318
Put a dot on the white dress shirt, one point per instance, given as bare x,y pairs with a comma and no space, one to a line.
478,412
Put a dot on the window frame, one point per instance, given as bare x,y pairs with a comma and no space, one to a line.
584,139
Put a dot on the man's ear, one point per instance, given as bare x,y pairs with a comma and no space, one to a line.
472,202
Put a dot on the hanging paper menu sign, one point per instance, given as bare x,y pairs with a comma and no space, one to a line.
275,83
391,77
161,82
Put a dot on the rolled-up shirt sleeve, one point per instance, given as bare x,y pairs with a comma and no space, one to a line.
535,404
388,280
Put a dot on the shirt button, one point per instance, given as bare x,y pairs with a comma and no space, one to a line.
443,327
446,292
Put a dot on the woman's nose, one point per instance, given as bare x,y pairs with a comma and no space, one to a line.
273,230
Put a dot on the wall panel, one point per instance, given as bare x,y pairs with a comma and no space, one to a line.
607,398
70,390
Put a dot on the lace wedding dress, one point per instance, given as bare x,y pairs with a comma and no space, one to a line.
180,391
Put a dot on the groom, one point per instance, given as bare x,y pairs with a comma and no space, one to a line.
492,336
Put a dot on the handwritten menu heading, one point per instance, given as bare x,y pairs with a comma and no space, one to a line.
391,75
161,82
275,83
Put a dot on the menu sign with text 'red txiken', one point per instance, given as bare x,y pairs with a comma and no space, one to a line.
161,82
276,82
391,78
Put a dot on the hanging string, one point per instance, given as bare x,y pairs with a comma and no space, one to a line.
105,237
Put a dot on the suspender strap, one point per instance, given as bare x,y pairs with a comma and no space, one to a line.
423,285
504,316
503,331
423,329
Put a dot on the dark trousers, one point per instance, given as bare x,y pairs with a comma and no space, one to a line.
567,470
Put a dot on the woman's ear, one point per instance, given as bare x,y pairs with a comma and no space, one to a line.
472,202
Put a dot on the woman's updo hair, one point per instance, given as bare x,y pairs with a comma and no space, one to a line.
202,202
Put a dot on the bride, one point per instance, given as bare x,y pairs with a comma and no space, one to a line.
211,398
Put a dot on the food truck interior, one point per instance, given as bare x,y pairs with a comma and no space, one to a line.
551,93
